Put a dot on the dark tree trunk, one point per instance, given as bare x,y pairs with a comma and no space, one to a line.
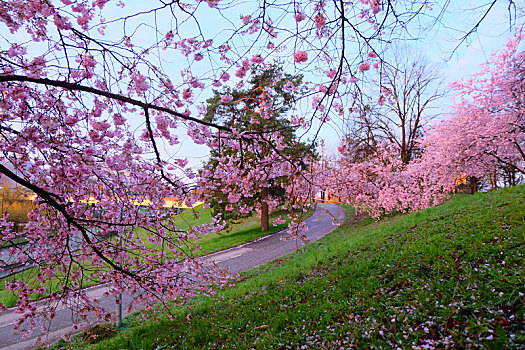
473,185
264,210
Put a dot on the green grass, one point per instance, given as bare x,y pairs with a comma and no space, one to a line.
192,217
242,231
245,230
449,276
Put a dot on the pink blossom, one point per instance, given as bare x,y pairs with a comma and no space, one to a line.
36,66
246,19
289,86
296,120
198,57
300,56
211,3
240,73
225,76
88,61
363,67
320,20
226,98
140,82
70,120
17,49
118,119
279,221
85,15
376,6
100,126
331,73
299,16
195,83
187,94
257,59
181,162
372,54
101,3
169,36
234,197
353,80
270,29
224,48
62,22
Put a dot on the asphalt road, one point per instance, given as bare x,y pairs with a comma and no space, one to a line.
237,259
253,254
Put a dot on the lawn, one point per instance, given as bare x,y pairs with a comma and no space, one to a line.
242,231
449,276
245,230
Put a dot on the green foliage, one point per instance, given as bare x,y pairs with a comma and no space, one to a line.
266,84
247,101
449,276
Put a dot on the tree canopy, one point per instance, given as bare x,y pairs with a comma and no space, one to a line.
265,104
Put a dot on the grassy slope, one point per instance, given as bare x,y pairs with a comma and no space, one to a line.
447,276
246,230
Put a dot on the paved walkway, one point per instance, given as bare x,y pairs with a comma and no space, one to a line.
256,253
237,259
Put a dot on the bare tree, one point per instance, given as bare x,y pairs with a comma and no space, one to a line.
409,86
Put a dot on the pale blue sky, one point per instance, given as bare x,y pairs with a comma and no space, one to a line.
440,43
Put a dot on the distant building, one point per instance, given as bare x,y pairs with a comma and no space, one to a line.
327,196
466,184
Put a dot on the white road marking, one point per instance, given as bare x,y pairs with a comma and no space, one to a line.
228,255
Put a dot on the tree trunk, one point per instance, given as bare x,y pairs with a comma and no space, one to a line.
473,185
264,210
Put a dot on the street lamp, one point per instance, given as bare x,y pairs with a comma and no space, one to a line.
2,189
119,324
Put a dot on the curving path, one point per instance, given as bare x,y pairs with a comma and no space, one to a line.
324,220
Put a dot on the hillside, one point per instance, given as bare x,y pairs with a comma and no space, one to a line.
444,277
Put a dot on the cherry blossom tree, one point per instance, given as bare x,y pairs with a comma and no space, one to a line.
486,132
381,183
97,96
